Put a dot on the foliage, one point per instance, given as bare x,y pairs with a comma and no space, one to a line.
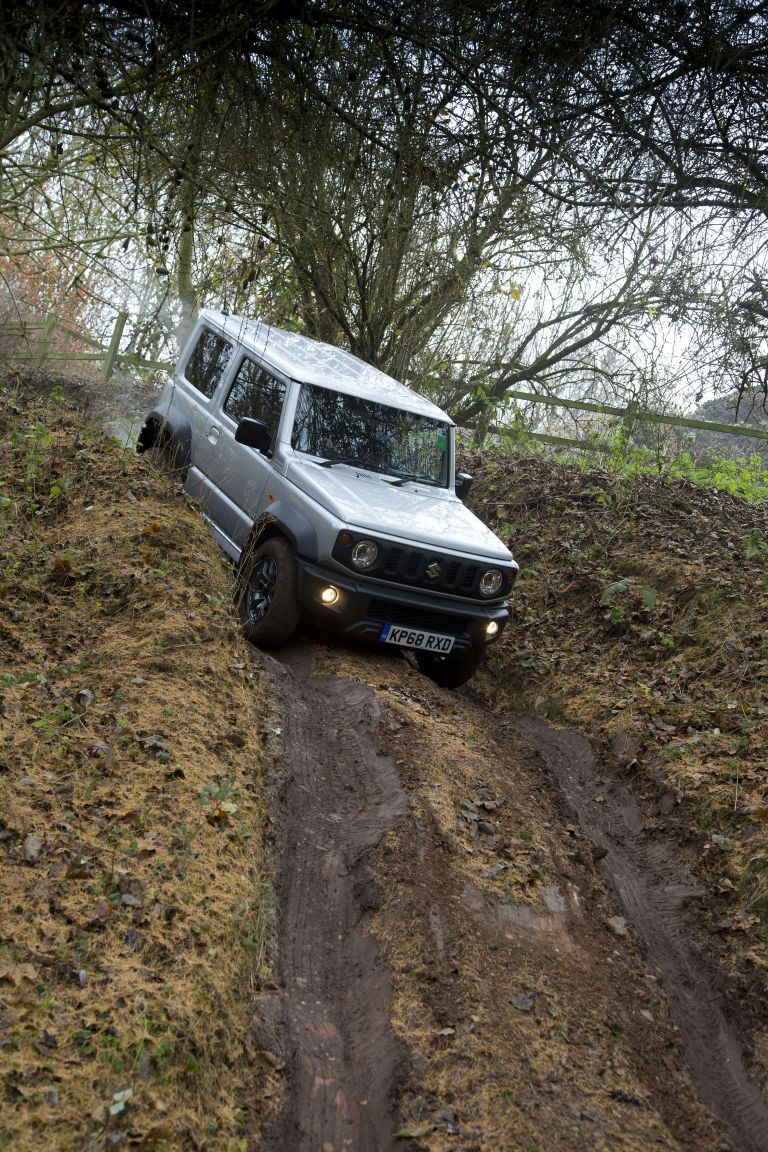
568,193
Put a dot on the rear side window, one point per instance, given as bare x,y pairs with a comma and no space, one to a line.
256,394
208,362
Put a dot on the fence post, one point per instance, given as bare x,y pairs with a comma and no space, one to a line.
45,340
114,347
630,416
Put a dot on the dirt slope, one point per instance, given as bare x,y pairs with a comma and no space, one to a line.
134,923
317,902
642,617
526,1015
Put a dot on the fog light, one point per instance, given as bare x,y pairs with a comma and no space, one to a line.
329,595
491,628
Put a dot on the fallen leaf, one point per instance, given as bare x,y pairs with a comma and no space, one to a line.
413,1131
119,1101
15,973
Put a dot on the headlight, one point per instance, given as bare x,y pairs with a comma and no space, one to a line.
364,554
490,582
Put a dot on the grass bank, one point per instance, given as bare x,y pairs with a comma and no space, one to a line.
136,906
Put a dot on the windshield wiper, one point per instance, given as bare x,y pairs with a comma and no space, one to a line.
409,477
358,462
353,461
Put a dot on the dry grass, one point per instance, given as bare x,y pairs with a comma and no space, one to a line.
136,907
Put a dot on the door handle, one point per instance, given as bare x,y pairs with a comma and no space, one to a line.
212,434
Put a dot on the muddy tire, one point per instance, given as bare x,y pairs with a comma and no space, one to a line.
268,600
447,671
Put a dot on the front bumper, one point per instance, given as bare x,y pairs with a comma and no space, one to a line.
364,606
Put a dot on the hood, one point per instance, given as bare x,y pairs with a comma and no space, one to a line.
419,513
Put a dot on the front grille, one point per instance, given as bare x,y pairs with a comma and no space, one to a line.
386,613
420,568
409,566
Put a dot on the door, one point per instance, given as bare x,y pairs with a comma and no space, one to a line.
237,475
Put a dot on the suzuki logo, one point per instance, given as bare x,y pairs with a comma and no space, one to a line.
434,570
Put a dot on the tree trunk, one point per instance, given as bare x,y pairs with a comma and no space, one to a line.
185,265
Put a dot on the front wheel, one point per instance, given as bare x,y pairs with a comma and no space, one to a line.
448,671
268,600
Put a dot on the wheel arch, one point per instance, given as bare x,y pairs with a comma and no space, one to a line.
167,428
280,520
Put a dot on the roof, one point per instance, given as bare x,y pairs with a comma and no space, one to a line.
312,362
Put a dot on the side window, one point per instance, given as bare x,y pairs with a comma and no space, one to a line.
208,361
256,394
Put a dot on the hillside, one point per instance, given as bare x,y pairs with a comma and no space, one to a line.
132,728
316,901
641,617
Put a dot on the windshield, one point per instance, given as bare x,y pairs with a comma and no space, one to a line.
348,429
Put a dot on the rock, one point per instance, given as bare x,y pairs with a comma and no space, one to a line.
146,1066
134,939
618,925
31,848
131,890
83,700
522,1002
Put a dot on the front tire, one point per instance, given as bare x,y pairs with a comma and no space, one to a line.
268,601
447,671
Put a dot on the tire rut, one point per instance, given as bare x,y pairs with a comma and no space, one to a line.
652,891
339,797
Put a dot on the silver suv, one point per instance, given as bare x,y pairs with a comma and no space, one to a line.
332,487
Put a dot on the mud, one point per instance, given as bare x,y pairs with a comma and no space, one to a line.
461,1001
339,796
653,892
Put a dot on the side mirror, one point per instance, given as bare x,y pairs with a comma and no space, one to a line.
254,433
463,485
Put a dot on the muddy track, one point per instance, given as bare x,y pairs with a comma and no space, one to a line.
340,795
563,1002
652,891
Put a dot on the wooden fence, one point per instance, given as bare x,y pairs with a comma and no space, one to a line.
109,356
630,416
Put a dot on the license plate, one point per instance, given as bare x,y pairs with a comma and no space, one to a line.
413,638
